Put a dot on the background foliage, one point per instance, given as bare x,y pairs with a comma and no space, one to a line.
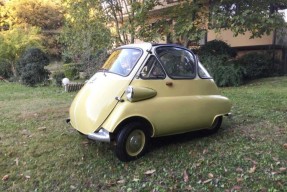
85,34
14,42
89,29
256,16
257,65
46,15
31,67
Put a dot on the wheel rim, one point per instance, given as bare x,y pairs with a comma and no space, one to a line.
135,142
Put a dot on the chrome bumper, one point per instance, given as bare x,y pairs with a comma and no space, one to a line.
102,135
228,115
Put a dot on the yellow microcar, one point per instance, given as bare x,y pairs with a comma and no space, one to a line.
147,90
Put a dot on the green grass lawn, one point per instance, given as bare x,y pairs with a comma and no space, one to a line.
40,152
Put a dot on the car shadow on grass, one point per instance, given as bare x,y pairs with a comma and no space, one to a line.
194,136
161,142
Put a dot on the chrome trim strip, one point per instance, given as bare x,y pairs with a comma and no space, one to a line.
102,135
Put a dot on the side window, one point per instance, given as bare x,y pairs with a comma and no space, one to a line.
202,72
152,69
178,63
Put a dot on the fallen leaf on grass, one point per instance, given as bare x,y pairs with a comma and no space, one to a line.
136,179
149,172
239,179
111,183
282,169
236,188
185,176
73,187
189,188
274,173
122,181
17,161
252,169
27,176
5,177
254,162
86,143
207,181
239,170
42,128
210,175
205,151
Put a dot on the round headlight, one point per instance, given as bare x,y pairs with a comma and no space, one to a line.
129,93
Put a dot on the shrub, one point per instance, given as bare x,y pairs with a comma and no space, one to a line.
31,67
218,57
257,65
58,76
32,55
5,69
71,70
215,48
225,72
33,74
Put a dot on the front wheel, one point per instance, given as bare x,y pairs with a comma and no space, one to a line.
132,141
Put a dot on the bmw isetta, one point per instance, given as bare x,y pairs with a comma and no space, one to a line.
147,90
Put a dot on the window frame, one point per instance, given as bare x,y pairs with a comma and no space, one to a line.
157,62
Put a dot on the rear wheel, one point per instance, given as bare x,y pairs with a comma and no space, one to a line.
215,125
132,141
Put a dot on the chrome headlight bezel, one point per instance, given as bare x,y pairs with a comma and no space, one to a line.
130,93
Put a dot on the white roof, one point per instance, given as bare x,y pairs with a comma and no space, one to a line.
144,46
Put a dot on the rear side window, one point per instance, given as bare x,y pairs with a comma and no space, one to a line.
202,72
177,62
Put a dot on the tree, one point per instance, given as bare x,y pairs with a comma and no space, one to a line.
85,33
15,41
256,16
187,21
129,18
190,21
44,14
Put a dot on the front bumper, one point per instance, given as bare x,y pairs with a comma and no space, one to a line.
101,135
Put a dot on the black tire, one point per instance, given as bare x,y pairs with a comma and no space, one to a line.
215,126
132,141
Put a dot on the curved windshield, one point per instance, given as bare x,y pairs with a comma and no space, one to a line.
122,61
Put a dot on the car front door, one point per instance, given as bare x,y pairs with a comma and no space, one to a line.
179,105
